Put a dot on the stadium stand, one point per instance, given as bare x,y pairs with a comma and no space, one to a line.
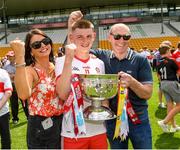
143,21
142,34
176,25
152,43
13,36
4,50
154,30
57,35
137,44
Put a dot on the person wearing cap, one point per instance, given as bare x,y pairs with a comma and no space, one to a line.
168,72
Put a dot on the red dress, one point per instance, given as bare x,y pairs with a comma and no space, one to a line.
44,101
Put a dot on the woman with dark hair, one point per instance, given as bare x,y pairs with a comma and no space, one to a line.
29,58
35,81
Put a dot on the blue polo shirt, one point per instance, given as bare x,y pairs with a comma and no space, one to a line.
135,65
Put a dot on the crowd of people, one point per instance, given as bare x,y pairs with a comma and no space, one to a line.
48,88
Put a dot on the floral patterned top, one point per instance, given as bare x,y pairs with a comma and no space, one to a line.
44,100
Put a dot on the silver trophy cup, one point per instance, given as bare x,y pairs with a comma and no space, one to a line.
97,88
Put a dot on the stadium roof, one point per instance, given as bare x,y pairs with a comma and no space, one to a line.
25,7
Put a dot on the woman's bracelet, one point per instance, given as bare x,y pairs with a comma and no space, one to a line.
20,65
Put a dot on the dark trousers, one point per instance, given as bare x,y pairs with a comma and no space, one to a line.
14,105
39,138
5,132
154,65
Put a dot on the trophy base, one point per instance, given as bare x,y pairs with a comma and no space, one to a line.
98,113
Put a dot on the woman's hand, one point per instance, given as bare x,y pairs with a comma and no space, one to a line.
19,50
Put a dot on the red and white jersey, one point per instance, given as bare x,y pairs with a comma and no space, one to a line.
176,56
89,66
5,85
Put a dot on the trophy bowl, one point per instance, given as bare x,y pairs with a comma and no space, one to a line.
96,88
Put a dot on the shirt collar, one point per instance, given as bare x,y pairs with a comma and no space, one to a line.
128,56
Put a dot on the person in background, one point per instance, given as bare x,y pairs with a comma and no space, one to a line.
5,94
176,56
82,34
135,74
35,82
167,71
158,57
146,53
61,51
154,63
10,68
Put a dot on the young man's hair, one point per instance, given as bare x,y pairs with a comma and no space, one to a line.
163,49
82,24
168,43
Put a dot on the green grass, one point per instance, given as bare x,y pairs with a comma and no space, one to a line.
18,131
160,140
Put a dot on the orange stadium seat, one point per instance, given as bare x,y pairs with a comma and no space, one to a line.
4,51
137,44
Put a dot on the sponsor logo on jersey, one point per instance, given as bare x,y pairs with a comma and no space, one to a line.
97,70
75,69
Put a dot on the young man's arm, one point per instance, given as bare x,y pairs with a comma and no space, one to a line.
5,98
63,82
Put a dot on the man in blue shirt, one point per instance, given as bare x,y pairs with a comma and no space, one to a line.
135,74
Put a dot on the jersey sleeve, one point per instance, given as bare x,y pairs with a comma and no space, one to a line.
97,53
145,74
174,64
102,68
7,82
59,64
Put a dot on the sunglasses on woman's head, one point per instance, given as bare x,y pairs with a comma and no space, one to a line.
37,44
118,36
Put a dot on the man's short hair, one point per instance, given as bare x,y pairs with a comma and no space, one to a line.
163,49
168,43
82,24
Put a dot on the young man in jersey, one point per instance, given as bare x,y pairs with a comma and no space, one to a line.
158,57
167,71
78,61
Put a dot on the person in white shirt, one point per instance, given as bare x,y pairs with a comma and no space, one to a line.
78,61
5,94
